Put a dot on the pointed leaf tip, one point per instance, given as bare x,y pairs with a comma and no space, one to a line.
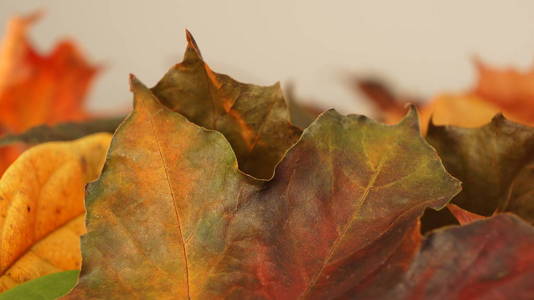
191,43
134,82
411,118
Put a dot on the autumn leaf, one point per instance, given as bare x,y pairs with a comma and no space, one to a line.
254,119
510,90
172,216
37,88
41,208
458,110
62,131
487,259
495,163
463,216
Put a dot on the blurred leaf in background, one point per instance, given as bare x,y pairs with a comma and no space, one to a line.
37,88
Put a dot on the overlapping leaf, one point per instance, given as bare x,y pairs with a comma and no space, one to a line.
253,118
486,259
41,208
495,163
510,90
172,217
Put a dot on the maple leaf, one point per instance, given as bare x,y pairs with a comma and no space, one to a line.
486,259
38,89
510,90
495,163
253,118
41,208
172,216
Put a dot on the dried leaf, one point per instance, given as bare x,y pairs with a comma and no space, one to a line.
457,110
38,89
53,85
41,208
495,163
463,216
510,90
486,259
254,119
172,217
62,131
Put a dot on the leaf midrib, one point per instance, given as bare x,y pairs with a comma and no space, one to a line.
178,218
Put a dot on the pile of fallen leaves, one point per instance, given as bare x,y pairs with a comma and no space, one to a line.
208,190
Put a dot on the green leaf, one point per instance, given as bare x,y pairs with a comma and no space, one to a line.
47,287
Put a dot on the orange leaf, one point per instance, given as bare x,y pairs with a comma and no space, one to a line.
510,90
41,208
458,110
463,216
39,89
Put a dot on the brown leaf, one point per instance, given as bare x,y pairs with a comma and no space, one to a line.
495,163
254,119
41,208
172,217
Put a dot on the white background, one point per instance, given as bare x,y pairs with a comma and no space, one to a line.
421,46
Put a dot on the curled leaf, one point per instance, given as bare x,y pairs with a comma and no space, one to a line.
254,119
41,208
494,162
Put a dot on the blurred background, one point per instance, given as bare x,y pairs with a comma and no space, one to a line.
421,47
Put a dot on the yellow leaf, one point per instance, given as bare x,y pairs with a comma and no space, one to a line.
42,209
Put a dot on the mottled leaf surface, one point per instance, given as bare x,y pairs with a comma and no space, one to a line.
172,216
487,259
495,163
253,118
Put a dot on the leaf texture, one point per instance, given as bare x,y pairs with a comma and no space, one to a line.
487,259
254,119
172,216
495,163
41,208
